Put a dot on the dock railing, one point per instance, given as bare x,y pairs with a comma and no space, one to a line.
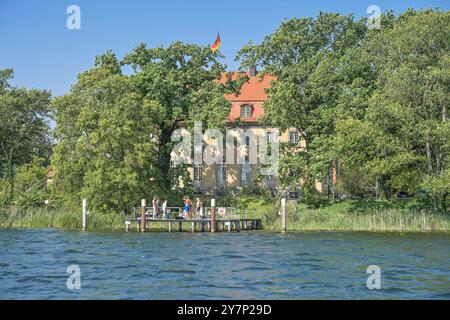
221,212
230,213
172,212
226,219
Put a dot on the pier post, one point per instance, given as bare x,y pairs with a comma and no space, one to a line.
85,212
283,215
213,215
193,226
180,226
143,206
170,226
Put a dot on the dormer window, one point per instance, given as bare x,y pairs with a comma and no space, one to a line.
246,111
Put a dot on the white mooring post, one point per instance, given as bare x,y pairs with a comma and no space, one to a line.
283,215
143,208
213,215
85,211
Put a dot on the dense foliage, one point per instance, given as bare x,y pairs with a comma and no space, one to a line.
24,137
370,104
114,130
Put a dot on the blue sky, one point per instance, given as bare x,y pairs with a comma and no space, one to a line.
36,43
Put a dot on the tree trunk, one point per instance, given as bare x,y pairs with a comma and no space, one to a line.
377,188
164,154
10,173
429,158
444,112
430,172
441,169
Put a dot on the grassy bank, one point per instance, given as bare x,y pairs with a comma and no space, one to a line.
40,218
365,215
58,218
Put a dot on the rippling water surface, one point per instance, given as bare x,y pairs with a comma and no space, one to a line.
246,265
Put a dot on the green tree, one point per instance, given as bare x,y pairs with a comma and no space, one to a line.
30,184
106,147
411,101
306,56
184,80
402,140
24,129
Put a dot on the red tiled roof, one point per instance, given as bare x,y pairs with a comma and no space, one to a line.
252,92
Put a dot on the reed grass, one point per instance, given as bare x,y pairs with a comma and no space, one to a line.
335,217
301,218
58,218
41,218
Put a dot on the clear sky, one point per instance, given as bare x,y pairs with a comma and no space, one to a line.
44,53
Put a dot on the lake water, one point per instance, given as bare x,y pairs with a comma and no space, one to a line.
246,265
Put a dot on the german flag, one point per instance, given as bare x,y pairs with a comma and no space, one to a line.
216,44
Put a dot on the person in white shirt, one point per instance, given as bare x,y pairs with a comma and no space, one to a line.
199,208
163,209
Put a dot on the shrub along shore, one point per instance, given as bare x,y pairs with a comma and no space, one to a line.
375,216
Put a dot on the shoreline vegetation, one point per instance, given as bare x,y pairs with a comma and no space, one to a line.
350,215
364,112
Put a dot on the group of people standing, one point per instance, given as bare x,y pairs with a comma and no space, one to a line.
185,214
187,210
157,210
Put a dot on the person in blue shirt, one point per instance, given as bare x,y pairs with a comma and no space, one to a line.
187,207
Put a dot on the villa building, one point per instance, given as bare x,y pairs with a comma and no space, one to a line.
246,109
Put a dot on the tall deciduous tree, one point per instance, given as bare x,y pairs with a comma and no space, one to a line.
24,129
373,101
184,79
411,101
306,57
106,151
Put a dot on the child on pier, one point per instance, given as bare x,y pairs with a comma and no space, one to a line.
155,204
187,208
199,208
164,209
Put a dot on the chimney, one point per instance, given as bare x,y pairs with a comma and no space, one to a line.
253,71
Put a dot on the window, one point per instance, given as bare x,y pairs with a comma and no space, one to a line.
222,174
270,137
293,137
270,179
293,194
246,111
245,176
198,173
247,141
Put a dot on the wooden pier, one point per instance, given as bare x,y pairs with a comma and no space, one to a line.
226,219
206,220
202,225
